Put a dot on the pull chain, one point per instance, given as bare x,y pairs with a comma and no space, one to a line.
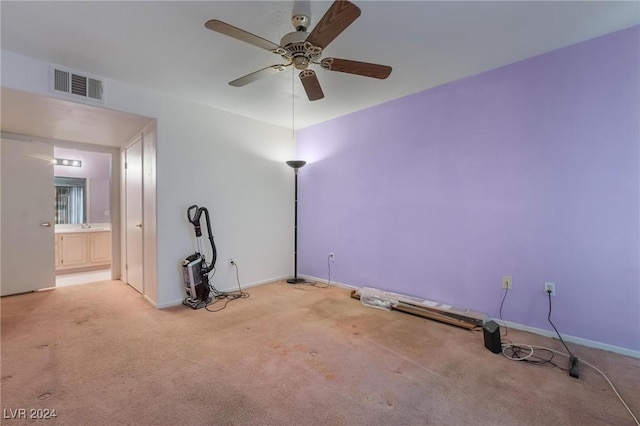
293,108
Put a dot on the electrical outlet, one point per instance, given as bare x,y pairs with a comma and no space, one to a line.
332,257
231,261
507,282
550,287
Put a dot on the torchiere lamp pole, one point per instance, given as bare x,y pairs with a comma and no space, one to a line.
295,164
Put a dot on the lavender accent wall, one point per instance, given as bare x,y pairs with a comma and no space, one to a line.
99,201
530,170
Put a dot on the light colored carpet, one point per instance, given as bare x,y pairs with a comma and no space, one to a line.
288,355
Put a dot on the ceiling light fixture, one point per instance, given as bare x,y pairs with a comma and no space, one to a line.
67,162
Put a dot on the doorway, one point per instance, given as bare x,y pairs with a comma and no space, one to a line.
29,117
83,229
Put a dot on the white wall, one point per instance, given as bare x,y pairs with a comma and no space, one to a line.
230,164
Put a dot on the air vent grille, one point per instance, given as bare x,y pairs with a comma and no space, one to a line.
61,81
76,84
95,88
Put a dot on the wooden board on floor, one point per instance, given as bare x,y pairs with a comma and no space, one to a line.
430,313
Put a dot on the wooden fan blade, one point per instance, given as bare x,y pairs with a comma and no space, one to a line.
354,67
242,35
250,78
335,20
311,85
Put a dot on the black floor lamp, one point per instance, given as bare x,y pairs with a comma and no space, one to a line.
295,164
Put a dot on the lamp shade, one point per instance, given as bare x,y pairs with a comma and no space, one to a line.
296,164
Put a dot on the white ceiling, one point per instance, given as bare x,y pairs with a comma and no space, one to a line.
164,46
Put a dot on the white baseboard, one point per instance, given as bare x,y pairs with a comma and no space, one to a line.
540,331
572,339
224,290
163,305
335,283
253,284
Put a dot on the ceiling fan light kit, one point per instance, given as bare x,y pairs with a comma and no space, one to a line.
301,49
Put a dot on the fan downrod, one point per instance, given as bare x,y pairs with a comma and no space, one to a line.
301,22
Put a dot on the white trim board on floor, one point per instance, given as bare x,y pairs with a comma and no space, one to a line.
85,277
540,331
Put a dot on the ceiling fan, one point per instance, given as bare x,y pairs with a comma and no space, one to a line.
301,49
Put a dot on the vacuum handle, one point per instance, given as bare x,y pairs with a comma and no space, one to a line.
195,218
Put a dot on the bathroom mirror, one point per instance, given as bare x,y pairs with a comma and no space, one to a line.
71,200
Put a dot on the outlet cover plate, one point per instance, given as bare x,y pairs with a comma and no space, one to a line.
550,286
507,282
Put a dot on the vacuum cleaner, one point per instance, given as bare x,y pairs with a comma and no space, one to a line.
195,269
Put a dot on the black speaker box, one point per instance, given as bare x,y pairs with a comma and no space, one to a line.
491,331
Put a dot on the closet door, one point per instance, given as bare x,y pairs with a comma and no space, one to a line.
133,185
27,216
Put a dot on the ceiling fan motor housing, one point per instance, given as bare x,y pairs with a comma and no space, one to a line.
300,52
301,49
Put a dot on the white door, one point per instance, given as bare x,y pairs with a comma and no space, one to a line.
27,200
133,188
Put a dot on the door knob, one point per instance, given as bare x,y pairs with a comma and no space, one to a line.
47,224
139,225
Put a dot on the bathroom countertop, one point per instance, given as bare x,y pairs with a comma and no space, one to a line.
95,227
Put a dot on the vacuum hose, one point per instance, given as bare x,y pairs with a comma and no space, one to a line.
194,218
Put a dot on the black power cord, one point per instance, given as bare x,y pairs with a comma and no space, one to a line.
506,330
315,284
573,360
527,353
318,284
522,352
226,296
